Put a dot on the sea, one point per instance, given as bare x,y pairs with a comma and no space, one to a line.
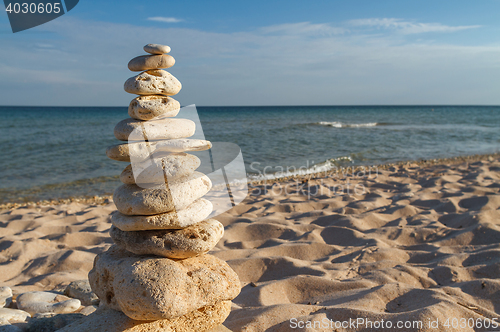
59,152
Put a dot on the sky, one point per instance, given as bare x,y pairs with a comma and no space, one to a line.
238,53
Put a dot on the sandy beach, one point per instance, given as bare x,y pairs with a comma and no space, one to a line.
413,244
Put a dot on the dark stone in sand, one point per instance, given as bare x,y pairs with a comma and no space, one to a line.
50,324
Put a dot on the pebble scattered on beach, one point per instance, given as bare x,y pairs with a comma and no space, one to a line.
5,296
46,311
81,290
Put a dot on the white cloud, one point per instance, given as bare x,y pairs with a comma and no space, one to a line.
299,63
303,28
165,19
406,27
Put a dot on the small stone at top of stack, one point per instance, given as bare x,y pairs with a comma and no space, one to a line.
158,267
156,49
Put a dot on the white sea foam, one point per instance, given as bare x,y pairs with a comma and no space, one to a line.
336,124
330,124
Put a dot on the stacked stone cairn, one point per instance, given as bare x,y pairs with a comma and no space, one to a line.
158,269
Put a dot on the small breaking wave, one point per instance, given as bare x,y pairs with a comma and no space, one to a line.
336,124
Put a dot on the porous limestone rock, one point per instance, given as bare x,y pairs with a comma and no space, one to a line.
153,82
191,241
109,320
131,199
157,276
156,49
143,150
152,107
194,213
147,62
220,328
153,130
173,166
46,302
150,288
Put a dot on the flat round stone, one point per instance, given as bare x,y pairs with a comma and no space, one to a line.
143,150
151,107
151,171
151,288
131,199
46,302
167,128
153,82
156,49
147,62
192,214
191,241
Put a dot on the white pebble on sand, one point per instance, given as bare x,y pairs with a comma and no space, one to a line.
46,302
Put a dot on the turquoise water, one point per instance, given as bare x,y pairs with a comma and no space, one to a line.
57,152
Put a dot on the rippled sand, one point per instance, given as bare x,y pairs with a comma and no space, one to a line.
412,244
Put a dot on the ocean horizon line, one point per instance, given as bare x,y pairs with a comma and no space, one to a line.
242,106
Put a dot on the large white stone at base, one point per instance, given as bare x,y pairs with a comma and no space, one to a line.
151,288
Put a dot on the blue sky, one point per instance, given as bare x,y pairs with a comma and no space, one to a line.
262,52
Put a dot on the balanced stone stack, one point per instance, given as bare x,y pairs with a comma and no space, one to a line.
158,268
